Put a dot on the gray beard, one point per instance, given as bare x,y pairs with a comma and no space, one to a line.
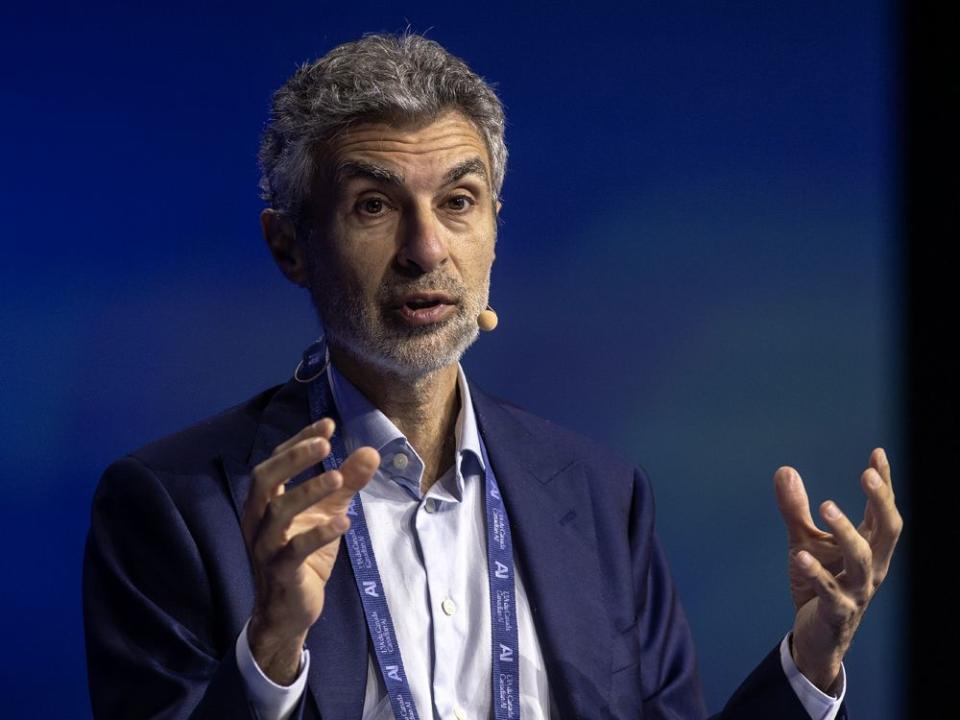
375,337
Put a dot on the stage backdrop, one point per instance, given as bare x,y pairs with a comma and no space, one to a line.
698,263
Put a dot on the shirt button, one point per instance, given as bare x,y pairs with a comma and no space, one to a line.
400,461
459,714
430,505
448,606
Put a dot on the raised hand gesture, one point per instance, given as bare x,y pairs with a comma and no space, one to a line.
834,575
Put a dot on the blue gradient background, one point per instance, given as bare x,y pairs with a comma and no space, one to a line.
698,263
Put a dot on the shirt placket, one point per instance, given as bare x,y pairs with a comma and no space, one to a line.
436,528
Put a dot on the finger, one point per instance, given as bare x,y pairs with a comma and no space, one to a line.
309,541
357,471
888,523
321,428
834,602
857,554
869,524
282,511
277,469
269,476
880,463
794,505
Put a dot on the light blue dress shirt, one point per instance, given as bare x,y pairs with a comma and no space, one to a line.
431,552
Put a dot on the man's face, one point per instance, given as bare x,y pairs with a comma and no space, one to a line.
402,242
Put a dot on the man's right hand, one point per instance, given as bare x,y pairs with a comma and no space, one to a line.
293,538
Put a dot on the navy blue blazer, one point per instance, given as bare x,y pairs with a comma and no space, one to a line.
168,586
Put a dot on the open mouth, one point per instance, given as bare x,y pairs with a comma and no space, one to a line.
420,304
426,308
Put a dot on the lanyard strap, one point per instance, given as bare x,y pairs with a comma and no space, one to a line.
503,601
505,675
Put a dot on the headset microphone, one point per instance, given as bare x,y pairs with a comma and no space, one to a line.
487,319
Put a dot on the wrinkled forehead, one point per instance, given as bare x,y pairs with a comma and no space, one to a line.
414,153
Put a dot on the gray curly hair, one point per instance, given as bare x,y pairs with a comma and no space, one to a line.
379,77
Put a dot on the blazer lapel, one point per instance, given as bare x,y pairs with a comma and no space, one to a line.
551,518
338,655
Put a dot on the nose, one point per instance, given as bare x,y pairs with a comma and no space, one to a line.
423,244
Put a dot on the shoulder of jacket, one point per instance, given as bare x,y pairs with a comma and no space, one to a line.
194,447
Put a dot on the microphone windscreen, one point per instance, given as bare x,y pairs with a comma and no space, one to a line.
487,320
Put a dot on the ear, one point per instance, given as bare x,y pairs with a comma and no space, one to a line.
281,236
499,205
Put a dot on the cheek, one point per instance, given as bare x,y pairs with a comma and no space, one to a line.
482,259
359,266
477,278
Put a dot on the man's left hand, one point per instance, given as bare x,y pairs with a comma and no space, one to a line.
834,575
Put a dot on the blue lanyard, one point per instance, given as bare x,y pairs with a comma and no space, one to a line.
505,672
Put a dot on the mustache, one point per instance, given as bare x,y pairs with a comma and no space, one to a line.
394,292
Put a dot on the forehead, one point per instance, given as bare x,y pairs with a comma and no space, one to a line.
422,152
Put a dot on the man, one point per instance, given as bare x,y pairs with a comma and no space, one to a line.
455,556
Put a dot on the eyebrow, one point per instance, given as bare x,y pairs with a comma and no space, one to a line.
473,166
359,169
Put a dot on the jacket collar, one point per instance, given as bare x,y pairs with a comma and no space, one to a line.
552,519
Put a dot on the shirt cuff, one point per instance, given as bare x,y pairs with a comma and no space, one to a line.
269,700
818,704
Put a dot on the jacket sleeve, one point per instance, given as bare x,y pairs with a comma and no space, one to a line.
670,682
764,689
148,610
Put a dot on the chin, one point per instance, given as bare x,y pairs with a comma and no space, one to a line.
409,357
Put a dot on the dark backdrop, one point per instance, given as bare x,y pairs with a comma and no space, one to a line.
698,263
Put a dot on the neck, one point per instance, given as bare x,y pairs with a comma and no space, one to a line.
424,408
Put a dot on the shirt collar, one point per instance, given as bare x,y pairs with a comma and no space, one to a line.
364,424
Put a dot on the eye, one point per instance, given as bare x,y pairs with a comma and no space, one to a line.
460,203
372,206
